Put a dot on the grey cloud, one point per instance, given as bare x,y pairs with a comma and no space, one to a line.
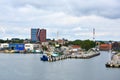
62,15
109,9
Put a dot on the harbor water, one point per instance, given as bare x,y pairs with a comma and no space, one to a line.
30,67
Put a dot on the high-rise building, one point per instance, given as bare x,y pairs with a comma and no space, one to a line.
38,35
34,35
43,35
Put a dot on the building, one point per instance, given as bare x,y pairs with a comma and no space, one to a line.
31,47
105,47
60,41
34,35
16,46
75,47
116,46
43,35
38,35
4,45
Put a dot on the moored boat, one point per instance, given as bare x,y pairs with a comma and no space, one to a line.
44,58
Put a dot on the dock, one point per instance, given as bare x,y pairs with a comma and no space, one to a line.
113,64
79,56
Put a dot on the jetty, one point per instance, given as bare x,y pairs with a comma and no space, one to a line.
89,54
114,62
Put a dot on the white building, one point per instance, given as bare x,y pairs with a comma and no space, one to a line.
45,43
4,45
30,46
75,48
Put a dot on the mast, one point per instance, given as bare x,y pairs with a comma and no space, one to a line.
57,34
94,34
110,51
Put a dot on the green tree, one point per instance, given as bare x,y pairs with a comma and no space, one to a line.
85,44
44,48
2,41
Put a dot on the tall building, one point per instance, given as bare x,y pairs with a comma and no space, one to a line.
38,35
34,35
43,35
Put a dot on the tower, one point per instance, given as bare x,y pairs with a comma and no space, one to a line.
34,35
93,34
42,35
57,35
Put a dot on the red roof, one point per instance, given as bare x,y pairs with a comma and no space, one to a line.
108,46
76,46
60,41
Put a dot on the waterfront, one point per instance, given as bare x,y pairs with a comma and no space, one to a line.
29,67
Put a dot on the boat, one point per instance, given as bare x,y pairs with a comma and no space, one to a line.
44,58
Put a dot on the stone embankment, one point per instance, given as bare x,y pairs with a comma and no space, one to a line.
115,61
87,55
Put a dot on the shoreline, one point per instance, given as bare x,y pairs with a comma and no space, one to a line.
62,57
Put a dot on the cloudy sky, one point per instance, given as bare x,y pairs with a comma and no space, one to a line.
73,19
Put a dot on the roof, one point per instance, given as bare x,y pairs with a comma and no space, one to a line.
106,45
60,41
75,46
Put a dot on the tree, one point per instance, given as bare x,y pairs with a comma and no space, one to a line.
44,48
2,41
86,44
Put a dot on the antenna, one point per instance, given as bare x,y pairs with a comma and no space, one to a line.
93,34
57,34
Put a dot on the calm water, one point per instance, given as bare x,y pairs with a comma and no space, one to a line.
29,67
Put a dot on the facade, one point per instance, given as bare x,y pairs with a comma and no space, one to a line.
30,47
16,46
60,41
116,46
38,35
34,35
75,48
4,45
43,35
105,47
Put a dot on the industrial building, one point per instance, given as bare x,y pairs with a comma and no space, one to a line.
16,46
30,47
4,45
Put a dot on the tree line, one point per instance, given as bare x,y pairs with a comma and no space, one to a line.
12,41
84,44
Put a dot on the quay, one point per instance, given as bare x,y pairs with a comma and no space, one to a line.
114,62
88,55
112,65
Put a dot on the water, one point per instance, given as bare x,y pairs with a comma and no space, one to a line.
29,67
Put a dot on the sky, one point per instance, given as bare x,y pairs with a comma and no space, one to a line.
72,19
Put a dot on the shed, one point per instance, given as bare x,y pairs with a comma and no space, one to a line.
30,46
16,46
4,45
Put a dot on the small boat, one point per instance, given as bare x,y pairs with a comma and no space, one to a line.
44,58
